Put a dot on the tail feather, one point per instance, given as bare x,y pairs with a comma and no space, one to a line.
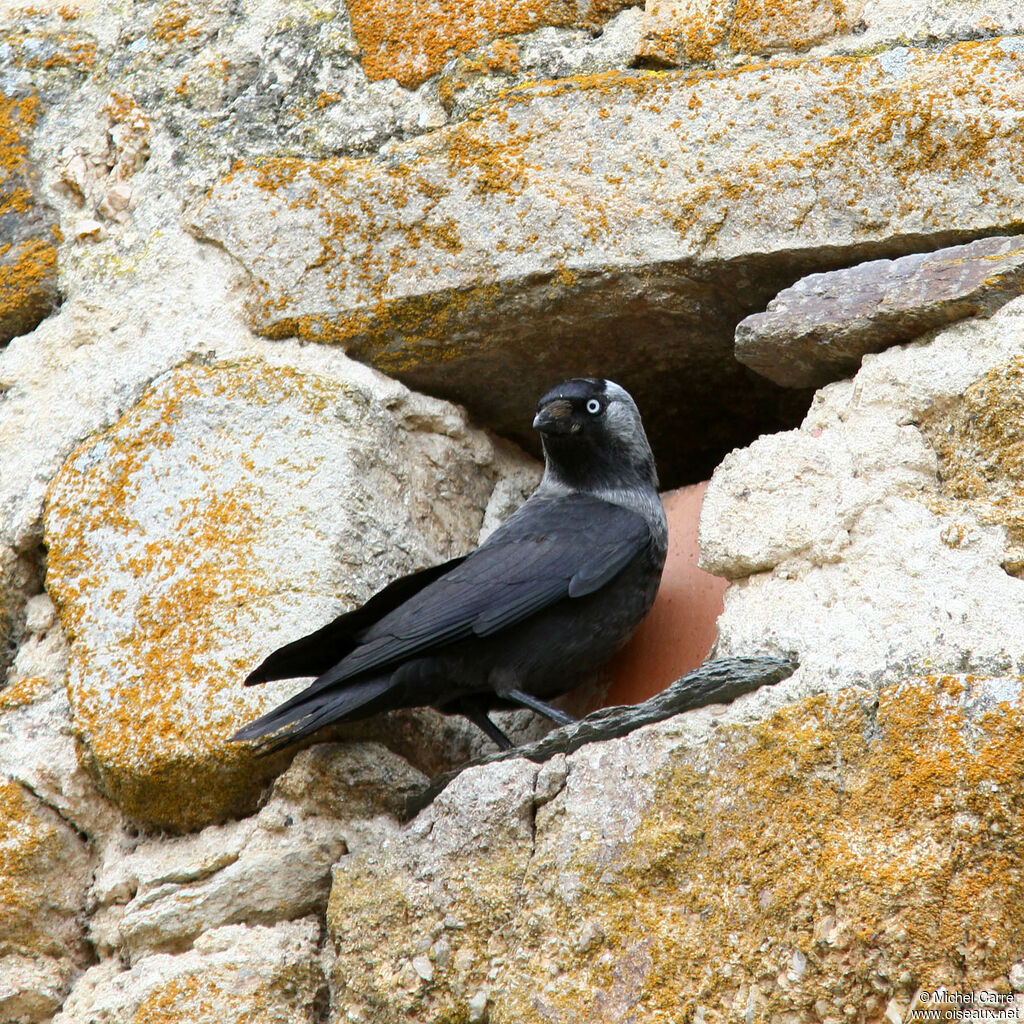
305,716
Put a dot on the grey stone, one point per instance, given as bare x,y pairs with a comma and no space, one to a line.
848,549
232,975
818,330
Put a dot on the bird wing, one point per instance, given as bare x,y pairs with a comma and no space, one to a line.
314,654
551,549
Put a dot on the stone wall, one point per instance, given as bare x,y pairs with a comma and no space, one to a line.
251,254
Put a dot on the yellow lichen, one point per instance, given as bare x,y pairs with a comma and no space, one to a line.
879,843
23,692
896,149
35,851
980,443
411,40
165,766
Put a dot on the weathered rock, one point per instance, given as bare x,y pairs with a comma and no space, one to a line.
411,41
44,871
43,874
837,529
677,32
28,230
37,742
883,827
31,988
235,507
20,576
272,867
233,975
483,73
527,242
979,439
818,330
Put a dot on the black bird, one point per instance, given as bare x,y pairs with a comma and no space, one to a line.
543,602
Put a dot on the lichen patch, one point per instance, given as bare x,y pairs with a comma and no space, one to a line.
980,443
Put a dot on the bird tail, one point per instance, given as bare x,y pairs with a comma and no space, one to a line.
303,714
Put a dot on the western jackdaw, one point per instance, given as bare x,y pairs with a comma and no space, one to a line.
542,603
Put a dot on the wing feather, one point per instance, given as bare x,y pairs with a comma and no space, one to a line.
550,550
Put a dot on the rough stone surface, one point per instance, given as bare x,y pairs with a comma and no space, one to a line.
525,243
411,41
275,866
595,882
715,682
37,741
483,73
28,232
818,330
679,32
979,438
44,871
835,530
233,508
233,975
593,888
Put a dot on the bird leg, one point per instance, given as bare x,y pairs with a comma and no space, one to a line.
556,715
479,718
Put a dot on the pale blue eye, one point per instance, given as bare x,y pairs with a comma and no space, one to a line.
593,406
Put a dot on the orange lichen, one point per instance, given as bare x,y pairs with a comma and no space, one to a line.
172,24
28,267
890,152
27,282
872,842
771,26
193,586
409,40
841,853
23,692
36,850
980,443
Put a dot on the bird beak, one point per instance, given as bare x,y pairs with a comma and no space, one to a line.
554,418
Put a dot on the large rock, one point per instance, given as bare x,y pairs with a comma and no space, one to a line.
526,243
233,975
275,866
818,330
844,851
236,506
850,552
28,230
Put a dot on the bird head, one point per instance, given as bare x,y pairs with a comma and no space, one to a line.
593,437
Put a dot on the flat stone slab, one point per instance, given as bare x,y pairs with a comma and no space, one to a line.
623,224
820,329
410,40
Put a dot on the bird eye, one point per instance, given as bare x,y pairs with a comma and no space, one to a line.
593,406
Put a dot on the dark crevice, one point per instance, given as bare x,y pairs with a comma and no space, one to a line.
664,331
21,578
